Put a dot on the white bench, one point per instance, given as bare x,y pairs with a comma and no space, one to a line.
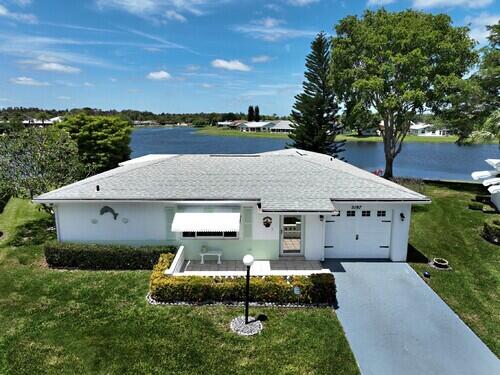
214,253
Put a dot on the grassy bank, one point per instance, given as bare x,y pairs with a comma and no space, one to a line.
55,321
350,138
448,229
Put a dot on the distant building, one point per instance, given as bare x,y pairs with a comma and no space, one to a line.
427,130
145,123
256,126
39,122
281,126
277,126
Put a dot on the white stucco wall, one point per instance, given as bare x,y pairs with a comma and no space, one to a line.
146,223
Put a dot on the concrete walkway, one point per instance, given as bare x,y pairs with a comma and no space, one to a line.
396,324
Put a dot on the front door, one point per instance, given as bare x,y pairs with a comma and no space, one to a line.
291,235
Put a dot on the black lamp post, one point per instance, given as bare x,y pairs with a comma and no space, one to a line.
247,261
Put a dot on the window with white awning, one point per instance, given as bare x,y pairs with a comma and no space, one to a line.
207,224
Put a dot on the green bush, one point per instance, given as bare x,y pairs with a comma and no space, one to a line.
491,230
315,289
477,206
103,257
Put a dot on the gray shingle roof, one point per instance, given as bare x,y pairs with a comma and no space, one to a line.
281,180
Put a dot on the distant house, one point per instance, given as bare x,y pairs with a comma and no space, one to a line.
39,122
224,124
422,129
256,126
281,126
375,131
145,123
491,179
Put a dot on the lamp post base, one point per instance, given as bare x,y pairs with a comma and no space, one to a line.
239,326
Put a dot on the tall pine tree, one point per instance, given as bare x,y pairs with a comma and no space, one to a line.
257,113
315,110
251,114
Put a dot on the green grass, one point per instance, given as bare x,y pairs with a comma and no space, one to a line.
54,321
210,130
448,229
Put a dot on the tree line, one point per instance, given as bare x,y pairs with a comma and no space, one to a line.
392,67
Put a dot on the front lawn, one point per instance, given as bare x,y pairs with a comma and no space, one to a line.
54,321
448,229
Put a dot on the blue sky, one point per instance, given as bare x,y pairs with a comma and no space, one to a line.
177,55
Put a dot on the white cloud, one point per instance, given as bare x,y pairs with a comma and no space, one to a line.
478,25
21,17
451,3
207,85
269,29
269,22
4,100
380,2
62,97
57,67
261,59
153,8
301,3
88,84
22,3
174,16
192,68
160,75
113,79
27,81
231,65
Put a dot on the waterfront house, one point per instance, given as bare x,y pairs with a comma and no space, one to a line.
256,126
288,204
491,179
281,126
39,122
423,129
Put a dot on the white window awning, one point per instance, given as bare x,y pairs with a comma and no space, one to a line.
206,222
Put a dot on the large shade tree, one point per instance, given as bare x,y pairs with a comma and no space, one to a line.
314,115
36,160
103,141
395,61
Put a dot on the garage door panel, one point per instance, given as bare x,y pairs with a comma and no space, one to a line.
358,236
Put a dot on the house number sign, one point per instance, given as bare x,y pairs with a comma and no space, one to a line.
356,207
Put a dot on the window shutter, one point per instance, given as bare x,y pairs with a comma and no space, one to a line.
247,222
170,212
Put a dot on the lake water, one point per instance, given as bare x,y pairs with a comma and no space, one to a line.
424,160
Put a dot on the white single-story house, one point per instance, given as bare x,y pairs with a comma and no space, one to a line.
427,130
256,126
491,179
281,126
288,204
38,122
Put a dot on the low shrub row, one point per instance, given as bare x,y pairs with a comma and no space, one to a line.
314,289
491,230
103,257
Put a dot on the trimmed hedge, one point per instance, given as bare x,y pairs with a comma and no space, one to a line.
491,230
103,257
315,289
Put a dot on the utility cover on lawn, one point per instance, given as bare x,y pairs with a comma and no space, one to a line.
253,327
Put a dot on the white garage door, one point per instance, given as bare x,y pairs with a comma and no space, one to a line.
358,234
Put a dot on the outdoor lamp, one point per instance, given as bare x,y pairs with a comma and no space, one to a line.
247,261
402,216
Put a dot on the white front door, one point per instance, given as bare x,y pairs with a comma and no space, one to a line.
291,235
359,234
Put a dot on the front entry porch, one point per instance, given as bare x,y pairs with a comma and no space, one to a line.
282,267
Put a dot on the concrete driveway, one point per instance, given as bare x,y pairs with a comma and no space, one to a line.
396,324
